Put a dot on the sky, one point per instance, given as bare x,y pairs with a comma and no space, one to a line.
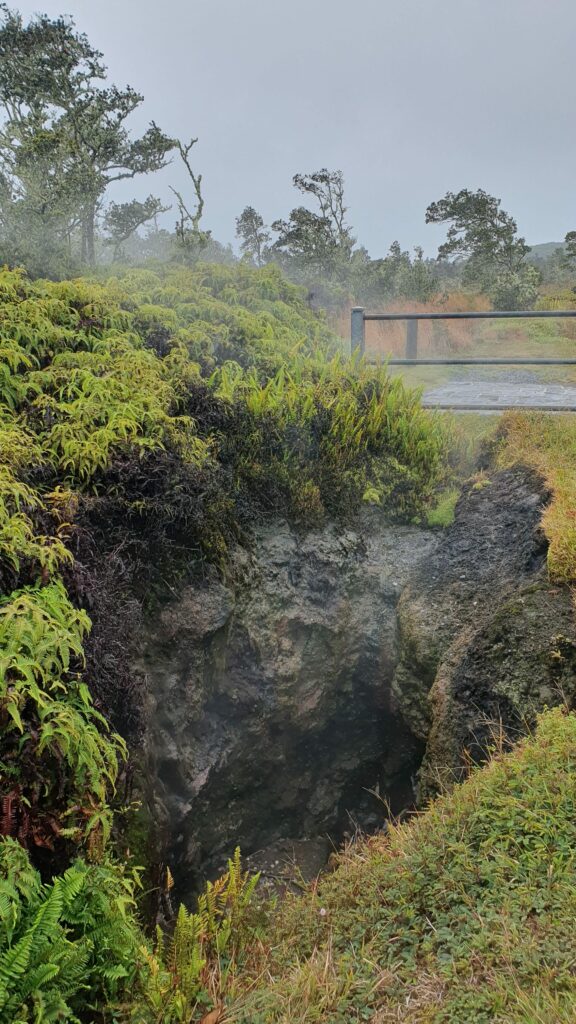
409,98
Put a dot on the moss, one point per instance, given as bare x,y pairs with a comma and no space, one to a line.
442,513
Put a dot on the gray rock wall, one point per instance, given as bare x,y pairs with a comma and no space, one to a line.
270,709
301,702
486,639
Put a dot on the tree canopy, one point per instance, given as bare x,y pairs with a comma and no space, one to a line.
483,235
479,231
318,240
64,138
254,236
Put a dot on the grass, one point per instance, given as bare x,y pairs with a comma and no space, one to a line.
442,514
548,443
464,914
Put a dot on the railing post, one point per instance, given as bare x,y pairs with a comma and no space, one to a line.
411,339
357,330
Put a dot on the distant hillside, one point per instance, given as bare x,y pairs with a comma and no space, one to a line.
544,250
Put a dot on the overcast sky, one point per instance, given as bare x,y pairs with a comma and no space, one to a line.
409,98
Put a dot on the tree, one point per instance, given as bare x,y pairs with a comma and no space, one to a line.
570,249
479,232
190,237
122,220
516,289
327,187
105,153
397,275
254,235
63,137
321,242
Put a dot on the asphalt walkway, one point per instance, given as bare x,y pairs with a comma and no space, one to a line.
494,395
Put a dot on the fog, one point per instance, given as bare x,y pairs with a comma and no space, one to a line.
409,98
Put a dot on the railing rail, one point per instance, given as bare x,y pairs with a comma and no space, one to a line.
360,316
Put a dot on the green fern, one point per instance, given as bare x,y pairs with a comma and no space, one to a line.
44,701
74,942
206,944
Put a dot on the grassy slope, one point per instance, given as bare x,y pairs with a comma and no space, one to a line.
463,915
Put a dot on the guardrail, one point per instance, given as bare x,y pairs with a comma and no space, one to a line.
358,335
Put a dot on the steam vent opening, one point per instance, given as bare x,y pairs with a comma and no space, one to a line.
287,512
274,716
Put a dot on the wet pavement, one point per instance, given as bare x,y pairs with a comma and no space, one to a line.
495,395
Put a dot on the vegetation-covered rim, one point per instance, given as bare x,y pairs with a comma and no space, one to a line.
159,415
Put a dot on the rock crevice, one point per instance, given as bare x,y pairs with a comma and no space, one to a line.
270,708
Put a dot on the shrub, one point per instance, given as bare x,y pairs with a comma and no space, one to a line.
57,758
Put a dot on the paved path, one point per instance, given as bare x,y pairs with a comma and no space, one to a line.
494,395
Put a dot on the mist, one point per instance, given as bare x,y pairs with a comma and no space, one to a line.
408,99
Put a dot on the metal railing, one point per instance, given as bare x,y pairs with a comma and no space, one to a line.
358,336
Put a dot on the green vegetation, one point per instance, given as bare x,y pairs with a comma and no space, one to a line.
149,421
63,141
163,414
68,947
486,237
72,950
196,966
442,514
463,914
